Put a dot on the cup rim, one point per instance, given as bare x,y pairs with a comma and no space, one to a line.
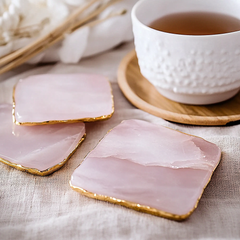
134,17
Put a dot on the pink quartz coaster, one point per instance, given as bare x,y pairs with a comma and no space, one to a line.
37,149
149,168
52,98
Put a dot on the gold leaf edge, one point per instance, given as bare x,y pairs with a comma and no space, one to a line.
142,208
100,118
48,171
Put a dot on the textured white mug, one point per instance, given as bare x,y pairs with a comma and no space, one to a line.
192,69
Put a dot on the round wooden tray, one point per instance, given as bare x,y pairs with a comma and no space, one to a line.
142,94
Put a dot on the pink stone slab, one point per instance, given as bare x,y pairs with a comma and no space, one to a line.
37,149
149,168
53,98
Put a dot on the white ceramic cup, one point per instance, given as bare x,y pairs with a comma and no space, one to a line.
192,69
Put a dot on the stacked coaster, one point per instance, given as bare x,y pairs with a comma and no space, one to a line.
51,110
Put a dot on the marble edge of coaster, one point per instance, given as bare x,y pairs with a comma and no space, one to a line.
48,171
99,118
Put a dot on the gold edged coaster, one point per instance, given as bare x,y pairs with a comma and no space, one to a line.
142,94
48,171
144,208
86,119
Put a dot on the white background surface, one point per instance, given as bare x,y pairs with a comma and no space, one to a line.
34,207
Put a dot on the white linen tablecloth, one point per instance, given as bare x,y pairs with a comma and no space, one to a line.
34,207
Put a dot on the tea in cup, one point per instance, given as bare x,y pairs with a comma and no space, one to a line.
189,49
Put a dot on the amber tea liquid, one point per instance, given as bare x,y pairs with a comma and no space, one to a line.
196,23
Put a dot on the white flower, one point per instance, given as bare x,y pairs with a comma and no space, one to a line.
28,18
9,15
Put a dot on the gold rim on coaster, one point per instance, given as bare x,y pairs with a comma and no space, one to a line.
47,171
93,119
